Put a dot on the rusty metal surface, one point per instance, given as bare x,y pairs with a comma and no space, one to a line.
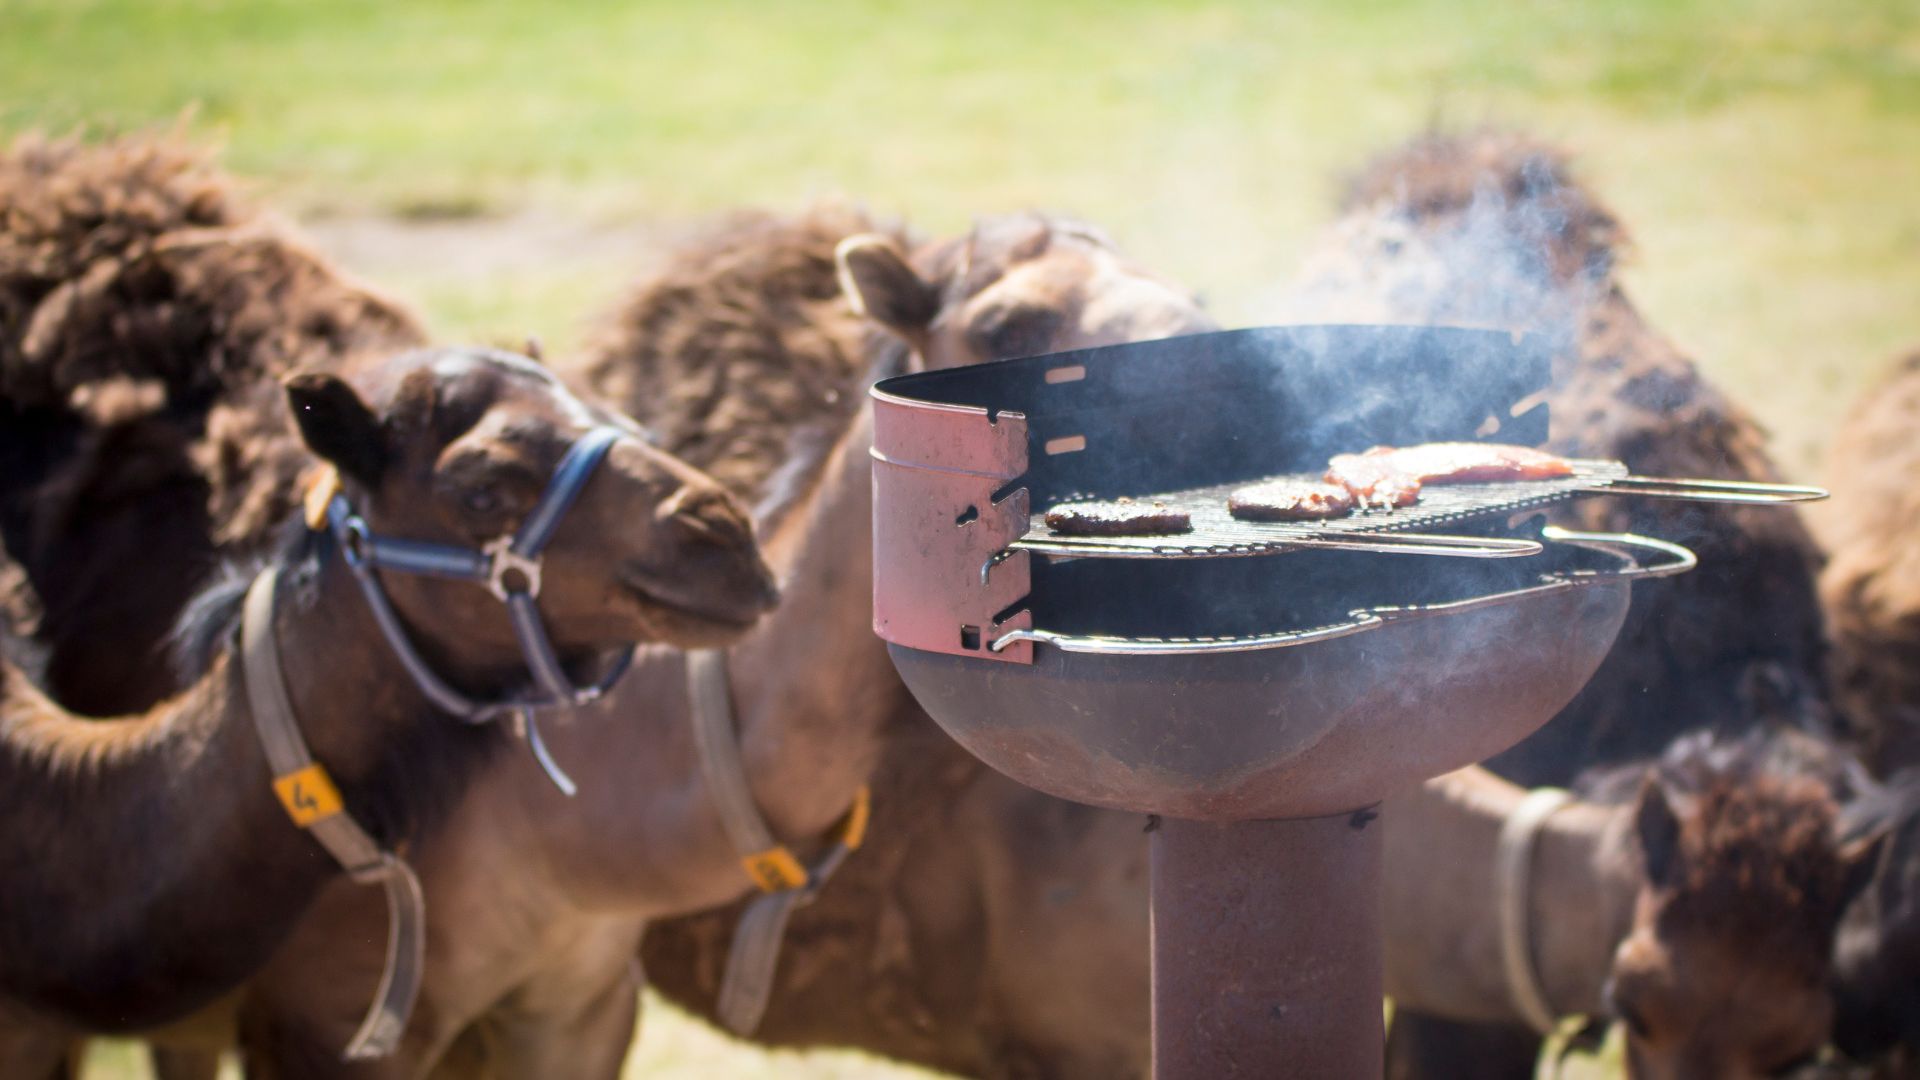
936,469
1293,732
1266,949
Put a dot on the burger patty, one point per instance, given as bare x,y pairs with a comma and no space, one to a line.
1118,517
1290,500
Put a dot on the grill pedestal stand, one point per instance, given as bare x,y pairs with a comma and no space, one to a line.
1266,949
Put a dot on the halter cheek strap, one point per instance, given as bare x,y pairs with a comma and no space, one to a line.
310,799
1513,881
785,883
509,567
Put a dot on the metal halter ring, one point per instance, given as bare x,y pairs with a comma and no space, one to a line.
505,560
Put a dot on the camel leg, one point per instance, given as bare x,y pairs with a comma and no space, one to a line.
1423,1047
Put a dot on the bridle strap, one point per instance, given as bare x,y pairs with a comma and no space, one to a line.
494,566
1513,886
309,797
569,477
785,883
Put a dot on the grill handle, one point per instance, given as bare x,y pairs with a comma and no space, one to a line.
1728,491
1625,546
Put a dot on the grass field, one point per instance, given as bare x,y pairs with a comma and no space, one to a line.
508,166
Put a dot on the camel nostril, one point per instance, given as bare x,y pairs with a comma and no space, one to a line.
708,513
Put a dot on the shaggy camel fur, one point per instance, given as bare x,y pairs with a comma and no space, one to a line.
1871,589
146,316
550,894
1877,960
928,932
1871,586
1492,228
148,869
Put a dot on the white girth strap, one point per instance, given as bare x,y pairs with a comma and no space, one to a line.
1513,883
747,985
313,802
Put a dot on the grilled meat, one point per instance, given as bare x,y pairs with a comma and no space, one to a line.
1290,500
1120,517
1392,476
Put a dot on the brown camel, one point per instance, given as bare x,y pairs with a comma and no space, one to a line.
148,868
549,895
1871,586
1877,957
1871,590
146,316
929,932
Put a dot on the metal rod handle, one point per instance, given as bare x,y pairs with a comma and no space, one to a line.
1473,547
1731,491
1622,546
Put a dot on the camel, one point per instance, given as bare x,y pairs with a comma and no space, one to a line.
1871,585
148,868
147,314
1492,228
533,974
1871,592
929,932
1045,974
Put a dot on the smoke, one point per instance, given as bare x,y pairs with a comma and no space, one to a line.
1490,266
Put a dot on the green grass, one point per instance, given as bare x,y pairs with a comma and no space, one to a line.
525,159
1767,152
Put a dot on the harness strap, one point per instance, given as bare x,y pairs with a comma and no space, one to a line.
313,803
1513,884
747,985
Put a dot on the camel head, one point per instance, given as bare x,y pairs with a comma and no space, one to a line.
1725,973
456,446
1018,285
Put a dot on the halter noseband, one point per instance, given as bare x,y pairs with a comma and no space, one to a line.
508,567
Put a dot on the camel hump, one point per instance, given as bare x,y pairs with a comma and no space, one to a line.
741,353
147,312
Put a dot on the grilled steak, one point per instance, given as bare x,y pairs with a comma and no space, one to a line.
1120,517
1290,500
1393,476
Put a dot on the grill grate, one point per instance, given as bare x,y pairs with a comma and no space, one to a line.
1218,533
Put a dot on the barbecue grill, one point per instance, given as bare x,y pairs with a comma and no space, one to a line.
1258,687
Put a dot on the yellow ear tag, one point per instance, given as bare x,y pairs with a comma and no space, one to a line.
308,795
320,492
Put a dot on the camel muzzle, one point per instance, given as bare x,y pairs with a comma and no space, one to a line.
1256,687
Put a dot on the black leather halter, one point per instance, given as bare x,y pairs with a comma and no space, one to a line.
509,567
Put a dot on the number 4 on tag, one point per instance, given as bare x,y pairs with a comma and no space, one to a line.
307,795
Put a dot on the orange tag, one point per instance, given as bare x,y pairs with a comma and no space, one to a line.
320,492
853,830
775,870
308,795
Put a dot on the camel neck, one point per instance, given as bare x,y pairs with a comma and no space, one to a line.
1583,889
1444,956
813,687
151,861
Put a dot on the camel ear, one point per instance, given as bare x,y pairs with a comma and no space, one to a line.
337,425
1658,829
881,285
